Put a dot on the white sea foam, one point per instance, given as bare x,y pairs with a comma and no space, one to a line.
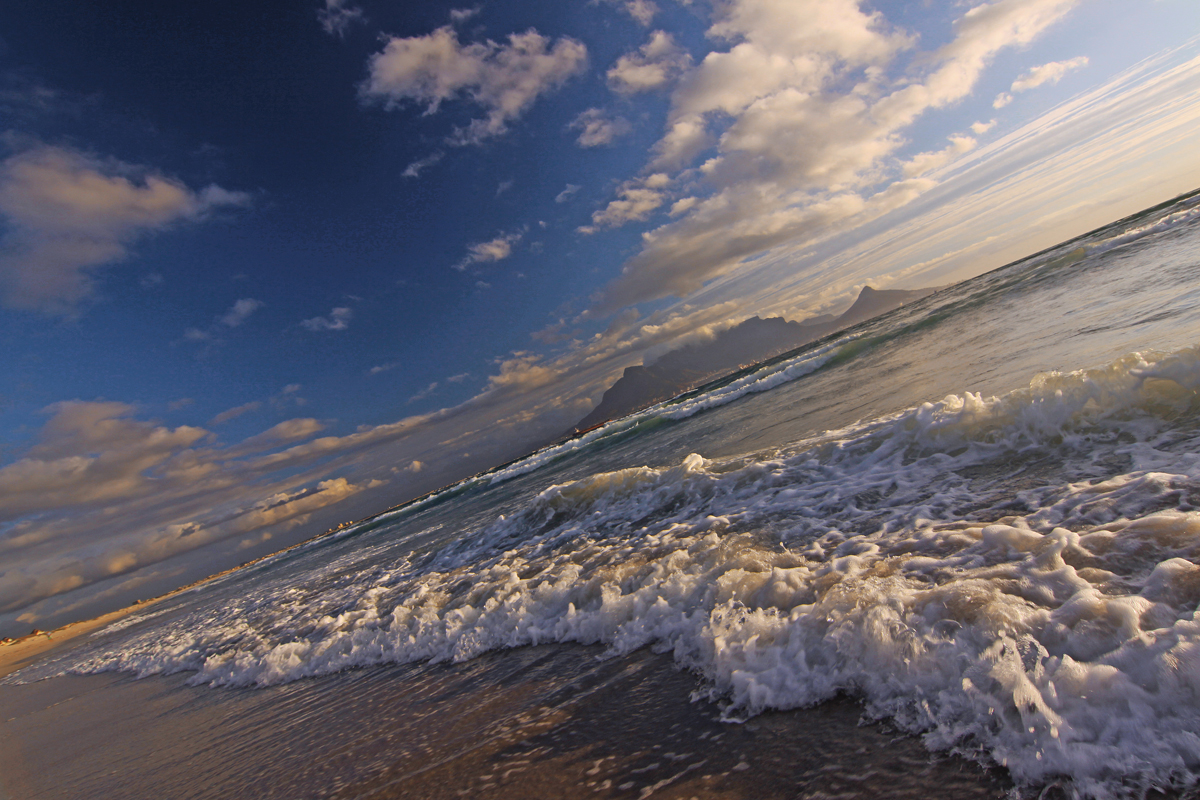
1014,577
1182,214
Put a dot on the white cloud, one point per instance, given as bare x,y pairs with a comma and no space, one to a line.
805,124
658,63
378,368
88,453
69,213
497,249
460,15
641,10
421,395
636,200
240,312
338,320
567,193
981,128
337,17
596,128
522,372
504,80
1052,72
1047,73
237,314
927,162
415,169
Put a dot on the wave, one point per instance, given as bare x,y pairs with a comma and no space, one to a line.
1012,577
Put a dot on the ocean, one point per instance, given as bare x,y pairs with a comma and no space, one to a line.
951,552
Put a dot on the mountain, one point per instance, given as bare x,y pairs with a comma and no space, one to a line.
749,342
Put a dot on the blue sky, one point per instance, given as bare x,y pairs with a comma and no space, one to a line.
266,267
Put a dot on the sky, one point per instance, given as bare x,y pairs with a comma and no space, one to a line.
268,267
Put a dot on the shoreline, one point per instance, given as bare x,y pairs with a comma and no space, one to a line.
24,651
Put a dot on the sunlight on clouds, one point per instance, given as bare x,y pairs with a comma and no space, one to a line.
88,453
636,200
1105,153
1038,76
658,63
504,79
811,124
69,213
1047,73
522,372
597,128
926,162
497,249
641,10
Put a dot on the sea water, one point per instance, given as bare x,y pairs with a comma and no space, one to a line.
976,518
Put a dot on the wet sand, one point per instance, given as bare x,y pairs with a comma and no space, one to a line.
545,722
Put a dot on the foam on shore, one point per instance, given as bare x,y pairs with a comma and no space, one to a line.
1012,577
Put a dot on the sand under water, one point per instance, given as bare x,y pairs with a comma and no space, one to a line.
546,721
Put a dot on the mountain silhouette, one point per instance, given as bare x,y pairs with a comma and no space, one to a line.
749,342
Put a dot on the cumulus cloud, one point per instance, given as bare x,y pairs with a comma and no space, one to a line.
69,213
504,80
338,320
655,65
337,17
1047,73
1052,72
497,249
89,452
641,10
597,128
636,200
980,128
794,129
522,372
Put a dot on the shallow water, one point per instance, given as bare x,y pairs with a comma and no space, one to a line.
550,721
976,517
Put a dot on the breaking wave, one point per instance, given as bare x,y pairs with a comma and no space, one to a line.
1014,577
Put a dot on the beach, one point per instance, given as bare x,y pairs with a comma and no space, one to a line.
549,721
951,552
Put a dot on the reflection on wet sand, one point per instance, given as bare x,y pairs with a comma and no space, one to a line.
548,721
